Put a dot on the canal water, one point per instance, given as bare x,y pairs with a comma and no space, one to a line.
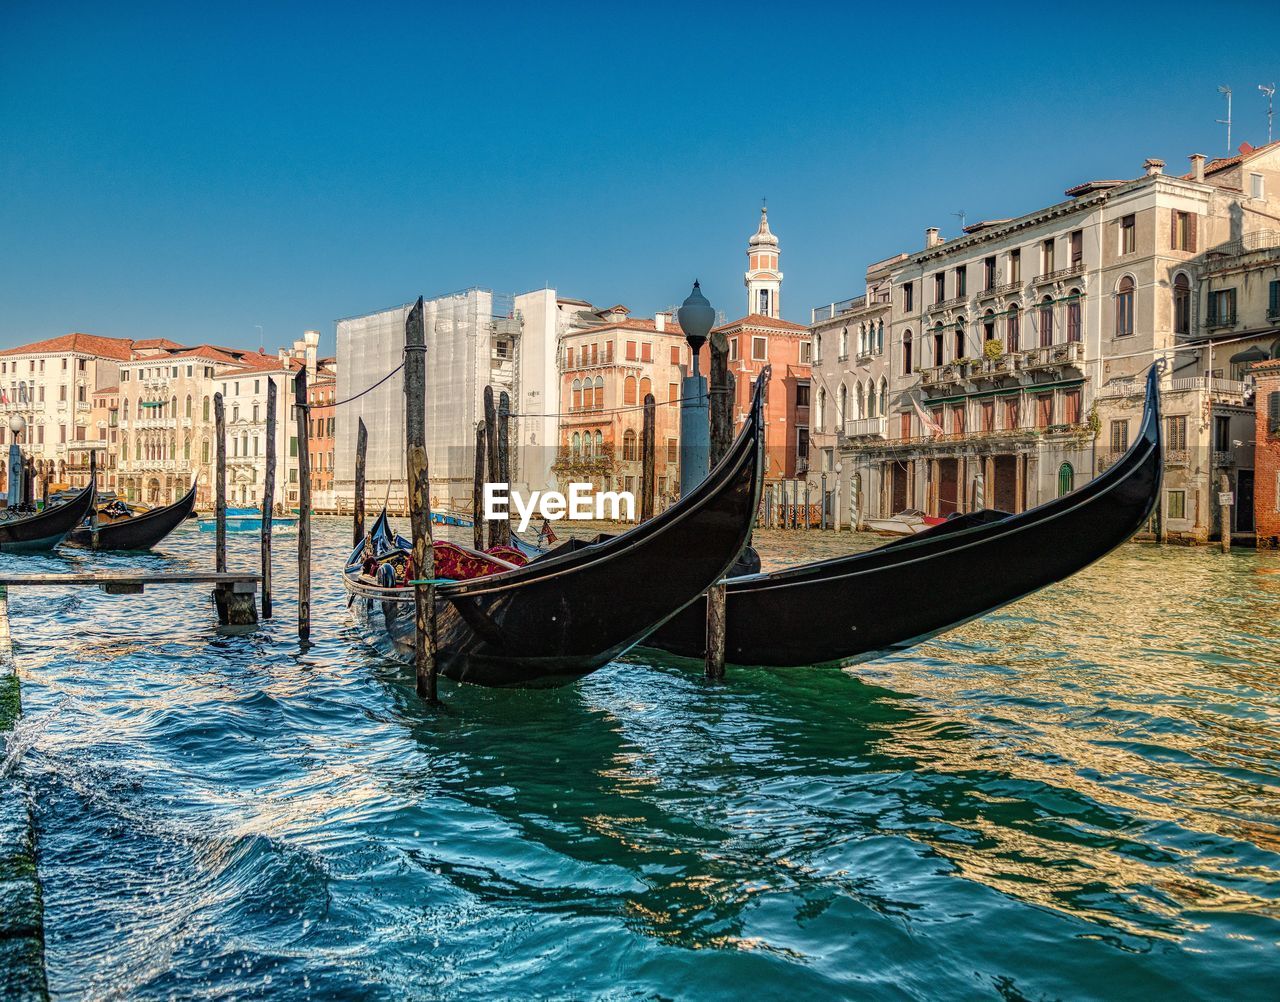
1077,797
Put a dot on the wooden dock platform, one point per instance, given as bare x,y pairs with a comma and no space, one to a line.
233,592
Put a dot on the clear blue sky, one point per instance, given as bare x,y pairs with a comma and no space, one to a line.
193,171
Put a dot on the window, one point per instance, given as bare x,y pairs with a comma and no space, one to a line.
802,394
1046,321
1181,305
1128,234
939,286
1175,439
1222,433
842,406
293,445
1015,266
759,349
629,450
733,349
629,390
988,327
908,297
987,415
1071,407
762,306
938,340
568,357
576,399
1256,187
1182,231
1077,248
1013,337
844,343
673,392
959,339
1066,479
675,354
1222,308
646,388
989,273
1046,256
1273,301
1177,503
962,280
880,335
1124,307
1119,436
957,420
646,351
904,424
631,351
673,451
599,394
821,416
802,444
806,352
1012,417
906,353
1044,410
1075,325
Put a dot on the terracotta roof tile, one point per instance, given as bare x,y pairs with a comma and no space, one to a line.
759,320
118,348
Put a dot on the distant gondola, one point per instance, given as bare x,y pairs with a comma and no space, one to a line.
43,530
572,611
865,605
139,531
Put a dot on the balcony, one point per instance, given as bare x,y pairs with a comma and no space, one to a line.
997,368
1222,457
1221,318
1067,353
1000,290
1176,457
821,313
1227,391
1061,275
943,375
949,304
875,427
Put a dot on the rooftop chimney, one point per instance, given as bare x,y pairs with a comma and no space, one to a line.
1153,167
931,237
660,321
1197,166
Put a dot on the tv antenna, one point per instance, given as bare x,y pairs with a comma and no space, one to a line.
261,343
962,217
1271,93
1224,89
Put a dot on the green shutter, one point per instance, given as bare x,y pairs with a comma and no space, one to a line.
1273,412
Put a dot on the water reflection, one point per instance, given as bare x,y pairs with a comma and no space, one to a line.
1087,777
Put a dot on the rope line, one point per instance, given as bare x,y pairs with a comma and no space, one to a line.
370,389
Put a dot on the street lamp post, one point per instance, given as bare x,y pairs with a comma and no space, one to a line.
696,317
17,425
835,501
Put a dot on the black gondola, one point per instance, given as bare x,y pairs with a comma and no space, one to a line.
572,611
43,530
133,532
865,605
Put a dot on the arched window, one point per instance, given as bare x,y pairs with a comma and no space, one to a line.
859,403
1046,321
1181,305
1124,307
187,412
1013,333
862,339
880,338
960,325
599,394
124,409
186,450
884,396
844,342
255,413
1075,318
124,448
907,367
822,408
586,443
173,407
629,445
577,444
817,347
599,445
1066,479
646,387
629,390
235,412
206,409
842,407
204,448
576,404
939,338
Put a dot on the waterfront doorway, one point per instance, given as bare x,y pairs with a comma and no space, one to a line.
899,477
1004,490
1244,501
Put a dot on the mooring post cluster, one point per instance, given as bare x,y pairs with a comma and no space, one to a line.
415,393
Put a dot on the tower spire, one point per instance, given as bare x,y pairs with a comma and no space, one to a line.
763,279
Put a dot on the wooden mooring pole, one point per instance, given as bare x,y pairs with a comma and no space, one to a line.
502,527
268,498
647,446
491,448
415,393
477,491
1224,501
304,503
362,447
721,437
220,483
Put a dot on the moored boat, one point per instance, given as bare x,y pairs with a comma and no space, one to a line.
120,526
867,604
249,520
905,523
32,532
572,610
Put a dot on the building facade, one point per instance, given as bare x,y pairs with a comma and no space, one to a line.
321,395
1266,494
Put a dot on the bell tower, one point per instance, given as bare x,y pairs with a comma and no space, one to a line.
763,279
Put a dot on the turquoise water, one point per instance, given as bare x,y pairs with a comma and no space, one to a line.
1075,798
